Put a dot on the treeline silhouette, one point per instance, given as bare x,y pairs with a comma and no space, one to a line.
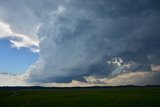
91,87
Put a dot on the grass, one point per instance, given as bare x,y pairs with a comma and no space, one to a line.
107,97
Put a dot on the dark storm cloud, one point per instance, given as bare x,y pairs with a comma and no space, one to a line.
79,38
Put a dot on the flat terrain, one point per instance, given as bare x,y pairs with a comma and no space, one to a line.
81,97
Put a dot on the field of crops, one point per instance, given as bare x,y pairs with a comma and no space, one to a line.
102,97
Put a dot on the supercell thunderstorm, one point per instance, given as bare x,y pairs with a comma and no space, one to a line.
105,41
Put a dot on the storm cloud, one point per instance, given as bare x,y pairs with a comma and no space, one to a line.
97,38
86,42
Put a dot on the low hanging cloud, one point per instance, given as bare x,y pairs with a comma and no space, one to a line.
86,42
12,80
129,78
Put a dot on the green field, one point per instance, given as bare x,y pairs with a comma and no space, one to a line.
103,97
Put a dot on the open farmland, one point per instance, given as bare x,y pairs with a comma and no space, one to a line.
81,97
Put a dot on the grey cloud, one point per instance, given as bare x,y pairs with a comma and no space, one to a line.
81,40
25,16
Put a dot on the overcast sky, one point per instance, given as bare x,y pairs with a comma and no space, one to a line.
79,42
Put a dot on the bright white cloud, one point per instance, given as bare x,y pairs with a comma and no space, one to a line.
155,67
12,80
18,40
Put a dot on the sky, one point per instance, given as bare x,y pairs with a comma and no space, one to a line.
15,61
79,42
